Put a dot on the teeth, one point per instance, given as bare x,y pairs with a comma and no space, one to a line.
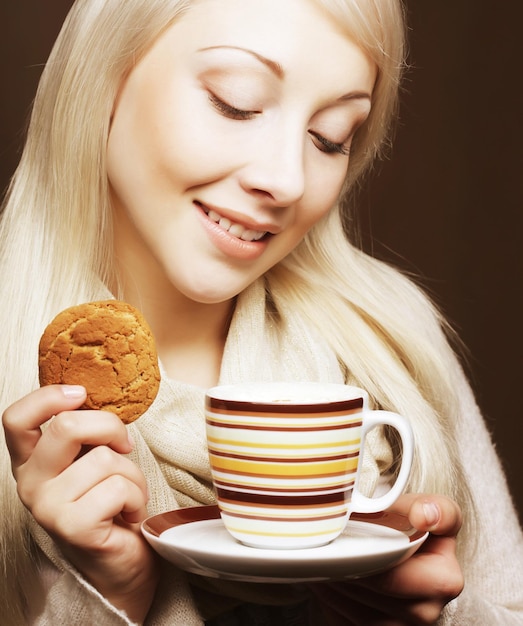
236,229
253,235
214,216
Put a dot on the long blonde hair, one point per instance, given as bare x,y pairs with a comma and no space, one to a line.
56,244
387,334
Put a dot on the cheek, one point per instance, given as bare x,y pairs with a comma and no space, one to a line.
185,146
144,154
326,183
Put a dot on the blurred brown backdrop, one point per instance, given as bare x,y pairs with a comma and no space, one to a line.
448,205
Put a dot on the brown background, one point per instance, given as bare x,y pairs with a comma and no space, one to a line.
448,206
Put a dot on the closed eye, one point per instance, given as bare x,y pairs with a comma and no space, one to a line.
230,111
330,147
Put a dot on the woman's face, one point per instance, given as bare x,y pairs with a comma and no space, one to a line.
230,139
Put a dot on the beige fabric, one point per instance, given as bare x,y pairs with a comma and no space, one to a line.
493,558
170,449
171,435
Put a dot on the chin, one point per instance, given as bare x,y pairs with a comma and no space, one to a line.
212,295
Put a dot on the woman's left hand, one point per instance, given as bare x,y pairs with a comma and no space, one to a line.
413,592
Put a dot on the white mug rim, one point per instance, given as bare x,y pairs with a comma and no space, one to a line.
303,393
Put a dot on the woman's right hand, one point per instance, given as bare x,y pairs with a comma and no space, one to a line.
74,479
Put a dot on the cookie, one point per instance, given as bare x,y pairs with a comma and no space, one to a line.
107,347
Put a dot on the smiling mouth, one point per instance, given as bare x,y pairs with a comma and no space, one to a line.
237,230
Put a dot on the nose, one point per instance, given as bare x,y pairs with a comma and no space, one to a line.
276,169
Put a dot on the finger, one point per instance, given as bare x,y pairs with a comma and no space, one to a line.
68,433
435,513
77,480
434,569
88,523
414,591
423,584
22,420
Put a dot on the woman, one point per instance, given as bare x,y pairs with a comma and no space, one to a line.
197,159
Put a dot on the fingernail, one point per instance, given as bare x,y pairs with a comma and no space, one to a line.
130,439
431,512
73,391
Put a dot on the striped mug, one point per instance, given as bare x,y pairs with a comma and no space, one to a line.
285,460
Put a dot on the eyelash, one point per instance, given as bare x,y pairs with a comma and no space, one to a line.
329,147
230,111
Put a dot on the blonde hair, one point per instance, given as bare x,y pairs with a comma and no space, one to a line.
387,334
385,331
56,244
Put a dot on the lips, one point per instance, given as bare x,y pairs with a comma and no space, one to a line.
234,228
245,234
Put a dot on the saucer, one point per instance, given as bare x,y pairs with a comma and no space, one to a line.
196,541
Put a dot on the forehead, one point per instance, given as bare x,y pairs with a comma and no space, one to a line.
294,33
257,19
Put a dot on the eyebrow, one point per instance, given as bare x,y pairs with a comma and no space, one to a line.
275,68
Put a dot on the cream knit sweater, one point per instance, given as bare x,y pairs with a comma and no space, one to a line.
171,451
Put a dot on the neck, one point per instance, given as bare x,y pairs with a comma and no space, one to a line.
190,336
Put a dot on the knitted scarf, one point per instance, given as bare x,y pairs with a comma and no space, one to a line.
170,448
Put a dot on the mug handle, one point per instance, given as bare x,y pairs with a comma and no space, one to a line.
364,504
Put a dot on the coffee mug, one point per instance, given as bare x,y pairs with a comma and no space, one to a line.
285,460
